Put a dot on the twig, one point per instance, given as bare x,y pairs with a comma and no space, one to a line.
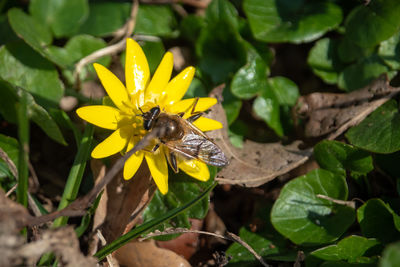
9,192
112,49
229,236
103,242
350,204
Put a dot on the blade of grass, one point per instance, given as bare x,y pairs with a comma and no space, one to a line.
23,136
76,173
136,232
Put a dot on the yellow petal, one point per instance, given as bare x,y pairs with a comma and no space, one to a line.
102,116
178,86
159,169
114,143
137,72
160,78
132,165
186,105
195,168
114,87
206,124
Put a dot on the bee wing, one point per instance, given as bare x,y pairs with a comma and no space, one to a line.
196,145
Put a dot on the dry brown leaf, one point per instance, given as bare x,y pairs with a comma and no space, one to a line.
14,251
120,200
255,163
148,254
186,244
327,112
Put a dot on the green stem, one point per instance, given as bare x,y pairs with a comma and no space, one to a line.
23,136
140,230
76,174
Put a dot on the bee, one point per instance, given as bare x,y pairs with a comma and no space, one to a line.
180,136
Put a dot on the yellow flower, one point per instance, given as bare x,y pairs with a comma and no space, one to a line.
141,93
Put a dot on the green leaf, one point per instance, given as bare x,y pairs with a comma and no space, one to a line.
378,220
251,78
339,157
285,90
368,25
267,108
11,147
349,52
391,256
306,219
389,51
350,249
220,48
291,21
361,73
64,17
196,89
29,29
190,27
182,189
380,131
232,106
77,48
324,60
155,20
22,66
35,112
6,32
8,99
105,18
266,241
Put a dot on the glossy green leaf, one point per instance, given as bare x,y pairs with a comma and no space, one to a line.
190,27
361,73
182,189
285,90
350,249
380,131
390,256
6,32
251,78
324,60
105,18
8,99
196,89
350,52
232,106
64,17
31,30
338,157
266,107
389,51
156,20
12,96
291,21
22,66
378,220
220,48
368,25
77,48
11,147
266,241
306,219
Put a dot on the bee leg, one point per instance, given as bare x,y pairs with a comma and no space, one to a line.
156,147
194,106
180,114
194,117
172,162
